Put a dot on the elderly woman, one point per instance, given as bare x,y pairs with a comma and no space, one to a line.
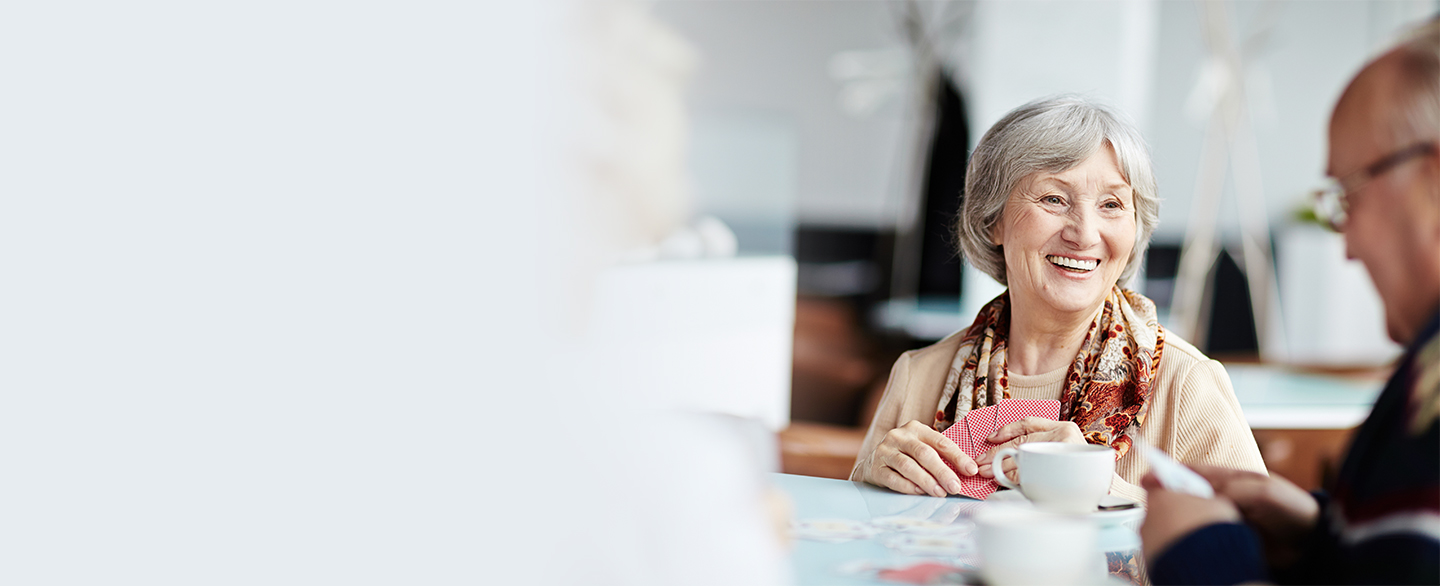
1059,205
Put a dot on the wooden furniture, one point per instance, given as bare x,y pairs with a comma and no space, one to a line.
1303,419
819,449
1307,457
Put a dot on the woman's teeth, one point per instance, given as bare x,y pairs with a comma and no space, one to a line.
1073,264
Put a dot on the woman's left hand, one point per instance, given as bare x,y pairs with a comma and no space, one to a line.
1029,429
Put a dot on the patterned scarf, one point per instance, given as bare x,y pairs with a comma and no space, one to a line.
1107,388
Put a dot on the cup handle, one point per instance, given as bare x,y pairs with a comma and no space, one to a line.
999,470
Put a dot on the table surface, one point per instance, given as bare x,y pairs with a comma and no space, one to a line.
816,562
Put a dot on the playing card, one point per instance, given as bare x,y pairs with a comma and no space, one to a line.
909,570
926,573
1012,410
919,525
981,425
1171,474
831,530
971,431
958,433
930,545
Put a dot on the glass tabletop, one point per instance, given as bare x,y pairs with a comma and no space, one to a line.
875,529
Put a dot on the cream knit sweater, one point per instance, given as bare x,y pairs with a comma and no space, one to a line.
1193,412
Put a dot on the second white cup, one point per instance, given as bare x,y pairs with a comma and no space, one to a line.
1024,546
1060,477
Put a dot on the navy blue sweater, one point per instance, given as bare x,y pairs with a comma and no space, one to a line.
1381,524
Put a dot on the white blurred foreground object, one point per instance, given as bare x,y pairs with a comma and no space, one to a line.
700,336
660,498
631,123
311,312
1019,545
657,489
707,237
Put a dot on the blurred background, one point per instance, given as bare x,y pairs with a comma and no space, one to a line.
540,292
836,134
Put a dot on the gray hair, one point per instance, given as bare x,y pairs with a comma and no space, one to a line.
1052,135
1417,86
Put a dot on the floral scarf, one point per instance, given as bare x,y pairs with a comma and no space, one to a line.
1107,388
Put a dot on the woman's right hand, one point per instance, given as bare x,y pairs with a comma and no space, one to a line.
911,459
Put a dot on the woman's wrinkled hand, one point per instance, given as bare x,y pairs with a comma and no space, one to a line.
1029,429
911,459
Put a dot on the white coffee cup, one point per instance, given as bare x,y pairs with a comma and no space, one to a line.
1060,477
1022,545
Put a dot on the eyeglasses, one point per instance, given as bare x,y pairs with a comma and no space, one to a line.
1332,202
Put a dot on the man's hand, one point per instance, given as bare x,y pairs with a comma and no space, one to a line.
1172,515
911,459
1280,512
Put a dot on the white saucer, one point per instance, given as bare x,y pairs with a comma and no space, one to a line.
1104,518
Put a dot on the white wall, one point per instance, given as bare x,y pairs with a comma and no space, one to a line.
766,64
1026,50
1141,55
1313,51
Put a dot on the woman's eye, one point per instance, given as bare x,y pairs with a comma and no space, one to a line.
1053,200
1114,205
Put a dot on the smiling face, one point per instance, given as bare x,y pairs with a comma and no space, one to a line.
1068,236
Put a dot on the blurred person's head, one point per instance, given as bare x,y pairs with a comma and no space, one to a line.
1385,153
1059,181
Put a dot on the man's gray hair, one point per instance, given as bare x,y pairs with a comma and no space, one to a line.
1417,91
1052,135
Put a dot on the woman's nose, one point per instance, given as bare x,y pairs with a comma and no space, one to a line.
1083,229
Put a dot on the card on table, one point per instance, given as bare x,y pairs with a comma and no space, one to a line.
930,545
926,573
972,431
831,530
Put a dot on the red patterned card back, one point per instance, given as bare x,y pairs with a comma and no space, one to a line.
1012,410
970,432
960,434
981,424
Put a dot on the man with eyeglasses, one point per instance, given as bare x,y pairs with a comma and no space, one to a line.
1380,521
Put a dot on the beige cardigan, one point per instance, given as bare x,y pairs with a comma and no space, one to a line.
1193,412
